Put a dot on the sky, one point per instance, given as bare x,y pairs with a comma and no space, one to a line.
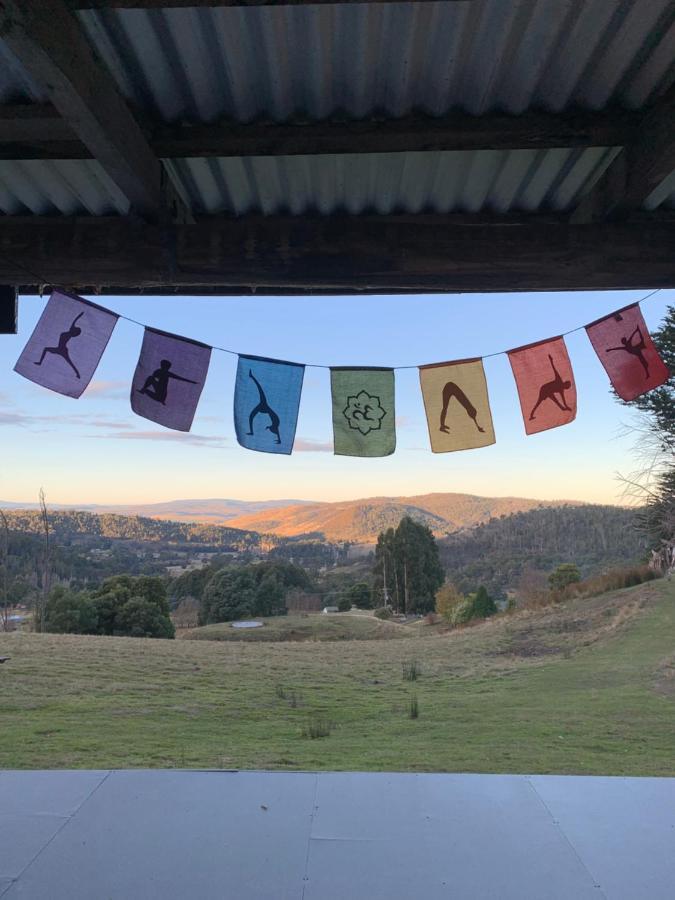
95,450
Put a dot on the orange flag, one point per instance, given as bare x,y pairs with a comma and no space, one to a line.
457,405
545,382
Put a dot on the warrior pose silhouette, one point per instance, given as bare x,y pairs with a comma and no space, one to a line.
61,348
157,385
453,390
636,350
551,390
266,409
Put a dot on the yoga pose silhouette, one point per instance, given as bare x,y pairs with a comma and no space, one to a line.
453,390
264,408
157,385
551,390
61,348
636,350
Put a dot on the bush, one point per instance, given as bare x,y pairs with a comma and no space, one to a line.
411,670
317,727
383,612
133,607
68,612
566,573
344,604
360,595
447,598
143,618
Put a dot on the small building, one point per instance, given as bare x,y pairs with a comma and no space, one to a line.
330,609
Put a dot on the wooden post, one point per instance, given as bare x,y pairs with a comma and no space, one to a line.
8,309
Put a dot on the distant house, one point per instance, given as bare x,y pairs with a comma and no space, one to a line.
330,609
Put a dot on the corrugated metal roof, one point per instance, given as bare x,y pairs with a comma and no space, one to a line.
287,62
441,182
69,187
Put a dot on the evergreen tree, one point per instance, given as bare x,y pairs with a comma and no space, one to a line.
483,606
407,570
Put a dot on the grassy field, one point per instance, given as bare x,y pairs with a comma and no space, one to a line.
339,627
584,688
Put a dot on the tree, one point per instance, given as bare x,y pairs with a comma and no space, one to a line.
45,567
360,595
70,612
447,598
483,606
4,572
566,573
229,595
140,617
407,569
344,604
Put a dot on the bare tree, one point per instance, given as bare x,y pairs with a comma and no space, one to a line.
46,572
4,574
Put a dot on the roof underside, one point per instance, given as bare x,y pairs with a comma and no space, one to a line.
298,64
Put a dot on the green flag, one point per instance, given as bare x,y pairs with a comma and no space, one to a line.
363,411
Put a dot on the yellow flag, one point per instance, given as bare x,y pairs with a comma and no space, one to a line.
457,405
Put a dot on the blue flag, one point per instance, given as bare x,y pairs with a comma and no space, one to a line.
266,403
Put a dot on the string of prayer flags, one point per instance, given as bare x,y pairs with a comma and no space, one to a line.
266,403
545,382
627,352
169,379
67,344
457,405
363,411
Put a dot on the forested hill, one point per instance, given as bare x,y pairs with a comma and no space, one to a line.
64,524
497,552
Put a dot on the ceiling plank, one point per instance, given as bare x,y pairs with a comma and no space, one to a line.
43,134
639,169
337,255
49,42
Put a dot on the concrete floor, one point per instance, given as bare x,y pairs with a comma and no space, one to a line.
123,835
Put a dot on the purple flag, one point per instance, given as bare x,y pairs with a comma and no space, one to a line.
67,344
169,379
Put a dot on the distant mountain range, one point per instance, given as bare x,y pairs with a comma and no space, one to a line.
359,521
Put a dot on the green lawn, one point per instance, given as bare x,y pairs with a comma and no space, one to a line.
338,627
586,688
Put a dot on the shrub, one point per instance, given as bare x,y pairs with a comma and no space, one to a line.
411,670
565,574
142,618
68,612
447,598
317,727
344,604
360,595
383,612
414,708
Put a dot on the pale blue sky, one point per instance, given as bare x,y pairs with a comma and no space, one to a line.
95,450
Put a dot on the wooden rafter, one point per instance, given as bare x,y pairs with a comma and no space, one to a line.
640,167
43,135
337,255
48,40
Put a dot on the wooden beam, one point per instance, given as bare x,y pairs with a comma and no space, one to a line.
337,255
49,42
42,134
8,309
182,4
639,169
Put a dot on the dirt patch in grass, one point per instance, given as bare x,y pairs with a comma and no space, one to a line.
665,678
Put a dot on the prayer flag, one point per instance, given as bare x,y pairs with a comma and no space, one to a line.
457,405
67,344
169,379
627,352
545,382
266,403
363,411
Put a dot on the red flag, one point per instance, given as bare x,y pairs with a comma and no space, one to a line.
545,382
627,352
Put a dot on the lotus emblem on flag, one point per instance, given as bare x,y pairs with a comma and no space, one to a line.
364,413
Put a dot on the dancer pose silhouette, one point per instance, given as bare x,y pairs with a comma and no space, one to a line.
264,408
453,390
61,348
551,390
636,350
157,385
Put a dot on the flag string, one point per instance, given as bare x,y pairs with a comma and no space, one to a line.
44,282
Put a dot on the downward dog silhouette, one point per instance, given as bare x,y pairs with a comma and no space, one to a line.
551,390
157,385
636,350
264,408
61,348
453,390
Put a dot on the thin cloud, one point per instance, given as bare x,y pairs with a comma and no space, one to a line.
107,389
11,418
197,440
306,445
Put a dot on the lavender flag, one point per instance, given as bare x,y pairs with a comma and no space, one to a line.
169,379
67,344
